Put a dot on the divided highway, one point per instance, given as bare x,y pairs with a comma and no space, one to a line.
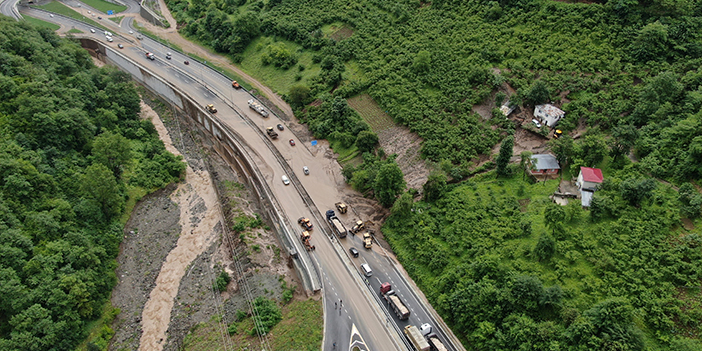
364,319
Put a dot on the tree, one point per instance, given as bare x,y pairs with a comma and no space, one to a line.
636,190
267,315
366,141
113,151
537,94
100,185
651,43
624,137
545,247
690,201
388,183
563,148
403,205
554,216
504,156
435,186
525,162
592,149
422,61
299,95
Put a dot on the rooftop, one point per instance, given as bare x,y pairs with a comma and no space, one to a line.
550,110
592,175
544,161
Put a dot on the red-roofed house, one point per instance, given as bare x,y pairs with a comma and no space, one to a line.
589,178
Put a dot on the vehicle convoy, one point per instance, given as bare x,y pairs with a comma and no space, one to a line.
358,226
305,223
211,108
341,207
435,343
236,85
336,224
394,301
272,133
305,237
416,338
150,56
367,241
254,105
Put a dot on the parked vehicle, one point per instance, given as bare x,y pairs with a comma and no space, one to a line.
367,241
536,123
341,207
416,338
394,301
336,224
271,133
358,226
292,142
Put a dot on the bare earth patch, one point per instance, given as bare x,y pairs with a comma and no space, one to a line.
342,33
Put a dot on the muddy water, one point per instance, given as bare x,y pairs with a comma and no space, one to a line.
199,213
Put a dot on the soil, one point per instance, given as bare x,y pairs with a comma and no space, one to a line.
173,251
407,145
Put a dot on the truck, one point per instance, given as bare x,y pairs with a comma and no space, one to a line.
211,109
272,133
150,56
435,344
305,237
256,106
394,301
416,338
336,224
305,223
358,226
367,241
236,85
341,207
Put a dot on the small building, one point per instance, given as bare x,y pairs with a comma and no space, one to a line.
543,164
507,108
548,114
586,197
589,178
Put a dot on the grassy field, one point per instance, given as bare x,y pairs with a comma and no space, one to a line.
301,329
62,9
104,6
277,79
40,23
75,31
371,112
117,19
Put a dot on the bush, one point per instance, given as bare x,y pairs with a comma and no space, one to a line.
222,280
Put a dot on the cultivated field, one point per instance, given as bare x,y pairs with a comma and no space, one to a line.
371,112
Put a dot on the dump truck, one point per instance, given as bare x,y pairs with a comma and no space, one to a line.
394,301
341,207
336,224
367,241
272,133
254,105
358,226
211,108
435,344
305,223
416,338
305,237
236,85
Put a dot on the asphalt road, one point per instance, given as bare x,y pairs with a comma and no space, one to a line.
352,323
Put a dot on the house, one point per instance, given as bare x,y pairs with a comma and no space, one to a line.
507,108
543,164
548,114
589,178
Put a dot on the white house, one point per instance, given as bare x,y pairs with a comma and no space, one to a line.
548,114
589,178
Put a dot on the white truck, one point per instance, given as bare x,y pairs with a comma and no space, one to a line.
254,105
416,338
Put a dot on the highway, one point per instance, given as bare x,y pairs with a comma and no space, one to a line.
363,319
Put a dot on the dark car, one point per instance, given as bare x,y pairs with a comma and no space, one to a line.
120,46
186,62
353,252
99,17
292,142
280,127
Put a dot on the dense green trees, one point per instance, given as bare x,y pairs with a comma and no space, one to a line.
71,147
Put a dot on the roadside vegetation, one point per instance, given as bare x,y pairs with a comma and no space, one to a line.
104,6
40,23
72,148
57,7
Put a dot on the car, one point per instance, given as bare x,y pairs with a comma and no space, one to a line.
536,123
353,252
285,179
168,55
120,46
306,170
131,32
280,127
99,17
186,62
108,34
140,37
89,12
51,15
109,39
292,142
92,30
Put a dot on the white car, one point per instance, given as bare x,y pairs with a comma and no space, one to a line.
168,55
286,181
131,32
536,123
92,30
108,34
52,15
306,170
109,39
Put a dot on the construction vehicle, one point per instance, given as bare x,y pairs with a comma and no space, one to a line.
416,338
254,105
557,134
341,207
272,133
305,237
305,223
211,108
358,226
435,344
394,301
367,241
236,85
336,224
150,56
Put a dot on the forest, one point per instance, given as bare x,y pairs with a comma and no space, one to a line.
73,154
